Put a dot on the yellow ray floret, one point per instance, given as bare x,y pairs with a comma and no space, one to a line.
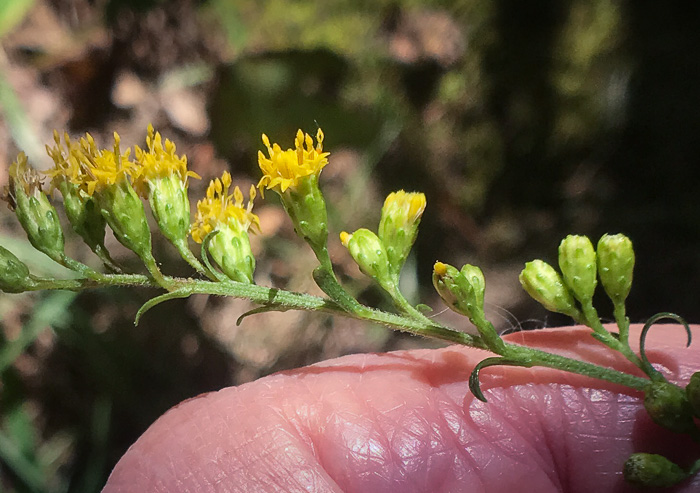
219,209
158,161
283,169
85,165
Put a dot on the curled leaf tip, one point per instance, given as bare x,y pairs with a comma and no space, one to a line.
475,385
648,368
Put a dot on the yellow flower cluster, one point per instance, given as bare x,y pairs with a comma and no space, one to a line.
83,164
219,208
283,169
92,169
158,162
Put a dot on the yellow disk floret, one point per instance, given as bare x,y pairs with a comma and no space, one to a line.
283,169
66,160
219,209
85,165
158,161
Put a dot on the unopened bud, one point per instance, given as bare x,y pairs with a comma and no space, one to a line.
692,391
545,285
231,250
463,292
652,471
475,278
615,266
668,406
453,288
370,255
14,274
577,261
398,226
124,212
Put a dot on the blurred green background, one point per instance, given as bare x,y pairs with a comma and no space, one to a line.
521,121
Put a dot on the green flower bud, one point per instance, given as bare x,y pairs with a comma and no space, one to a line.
454,289
34,211
230,248
577,261
84,216
615,266
652,471
463,292
545,285
668,406
369,253
398,226
124,212
14,274
306,207
171,207
692,391
161,176
475,278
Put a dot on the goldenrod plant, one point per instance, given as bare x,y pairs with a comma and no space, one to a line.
105,187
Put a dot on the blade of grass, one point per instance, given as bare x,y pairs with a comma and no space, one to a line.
17,121
27,471
49,311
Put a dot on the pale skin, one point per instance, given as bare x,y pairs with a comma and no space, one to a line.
406,422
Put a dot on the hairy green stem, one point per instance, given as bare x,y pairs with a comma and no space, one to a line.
189,257
549,360
593,321
403,304
299,301
623,323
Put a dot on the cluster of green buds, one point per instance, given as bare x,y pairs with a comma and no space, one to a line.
107,187
571,292
382,255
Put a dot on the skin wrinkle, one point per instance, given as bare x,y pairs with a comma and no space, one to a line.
536,434
418,404
457,437
505,451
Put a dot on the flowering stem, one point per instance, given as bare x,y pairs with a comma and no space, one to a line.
284,300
